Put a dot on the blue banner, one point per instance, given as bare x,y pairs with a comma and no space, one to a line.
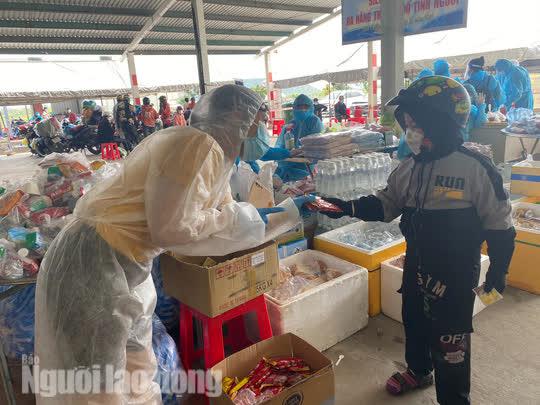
361,19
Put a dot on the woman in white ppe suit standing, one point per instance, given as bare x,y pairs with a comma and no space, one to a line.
95,296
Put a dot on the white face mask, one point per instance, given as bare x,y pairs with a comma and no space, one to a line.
414,138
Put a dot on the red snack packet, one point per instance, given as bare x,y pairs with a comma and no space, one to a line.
256,379
274,380
322,205
41,216
287,363
64,188
30,267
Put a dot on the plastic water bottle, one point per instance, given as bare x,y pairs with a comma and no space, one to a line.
382,171
289,140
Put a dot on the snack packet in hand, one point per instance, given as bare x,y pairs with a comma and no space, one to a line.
487,298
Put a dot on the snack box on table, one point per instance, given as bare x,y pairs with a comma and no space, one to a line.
391,277
216,288
292,248
317,389
369,259
524,272
339,307
525,178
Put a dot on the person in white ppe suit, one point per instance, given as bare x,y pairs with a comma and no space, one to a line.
95,296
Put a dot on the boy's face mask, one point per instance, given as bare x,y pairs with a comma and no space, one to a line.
414,136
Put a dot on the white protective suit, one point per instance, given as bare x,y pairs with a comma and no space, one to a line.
95,296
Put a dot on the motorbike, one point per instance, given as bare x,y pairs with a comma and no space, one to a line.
27,131
49,138
81,138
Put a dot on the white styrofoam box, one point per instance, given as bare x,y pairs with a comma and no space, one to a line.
334,236
327,313
391,277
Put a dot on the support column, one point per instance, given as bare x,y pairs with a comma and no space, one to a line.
392,49
199,30
7,125
133,79
372,82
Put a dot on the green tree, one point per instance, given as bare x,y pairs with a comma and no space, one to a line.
260,90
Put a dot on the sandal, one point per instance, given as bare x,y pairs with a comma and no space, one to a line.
401,383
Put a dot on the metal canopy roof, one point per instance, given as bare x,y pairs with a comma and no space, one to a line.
108,27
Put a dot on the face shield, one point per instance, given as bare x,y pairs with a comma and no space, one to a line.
226,114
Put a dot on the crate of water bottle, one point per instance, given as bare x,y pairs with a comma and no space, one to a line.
363,243
354,177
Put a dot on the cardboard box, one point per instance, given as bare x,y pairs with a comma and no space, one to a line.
292,235
234,280
292,248
525,178
345,309
260,196
524,271
314,390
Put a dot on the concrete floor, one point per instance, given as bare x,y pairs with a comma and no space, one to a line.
506,346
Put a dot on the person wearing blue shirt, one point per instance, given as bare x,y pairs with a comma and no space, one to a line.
478,116
484,83
441,68
305,123
514,85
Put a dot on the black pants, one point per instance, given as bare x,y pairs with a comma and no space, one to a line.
425,351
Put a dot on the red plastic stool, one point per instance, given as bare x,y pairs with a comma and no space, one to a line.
110,151
214,342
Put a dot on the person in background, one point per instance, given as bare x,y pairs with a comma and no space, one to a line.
478,116
441,67
319,108
178,119
258,147
484,83
186,102
304,123
148,116
340,109
528,85
514,85
125,120
424,73
450,200
191,104
71,116
165,112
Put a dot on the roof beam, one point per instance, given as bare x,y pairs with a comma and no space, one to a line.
273,6
124,41
36,51
85,26
156,17
304,30
139,12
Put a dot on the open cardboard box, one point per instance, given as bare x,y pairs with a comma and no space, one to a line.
215,289
314,390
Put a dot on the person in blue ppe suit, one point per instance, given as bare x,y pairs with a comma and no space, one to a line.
441,68
258,147
424,73
528,85
514,85
478,116
484,83
305,123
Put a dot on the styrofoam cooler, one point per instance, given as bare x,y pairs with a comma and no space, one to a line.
391,277
327,313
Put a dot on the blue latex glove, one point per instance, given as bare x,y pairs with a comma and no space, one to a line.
254,166
300,201
264,212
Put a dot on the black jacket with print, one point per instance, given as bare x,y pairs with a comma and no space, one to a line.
449,206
